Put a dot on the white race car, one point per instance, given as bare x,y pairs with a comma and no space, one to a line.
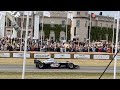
52,64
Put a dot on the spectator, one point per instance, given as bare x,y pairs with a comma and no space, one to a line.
51,46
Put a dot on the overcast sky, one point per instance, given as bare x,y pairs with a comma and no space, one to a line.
105,13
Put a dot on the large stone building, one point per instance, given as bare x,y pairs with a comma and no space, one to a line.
79,24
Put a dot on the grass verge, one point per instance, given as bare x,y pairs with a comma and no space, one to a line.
19,61
56,75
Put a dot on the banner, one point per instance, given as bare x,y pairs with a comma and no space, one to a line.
118,57
21,55
2,24
36,27
62,56
81,56
13,21
14,34
101,57
4,54
42,55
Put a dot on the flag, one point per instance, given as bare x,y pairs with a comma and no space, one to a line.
2,14
46,13
2,23
93,15
36,26
14,13
70,15
14,34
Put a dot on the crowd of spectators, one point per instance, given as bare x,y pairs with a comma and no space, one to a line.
14,44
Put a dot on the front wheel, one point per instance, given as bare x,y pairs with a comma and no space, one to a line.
70,65
40,65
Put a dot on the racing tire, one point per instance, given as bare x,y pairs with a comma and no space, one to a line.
77,67
70,65
40,65
36,65
59,67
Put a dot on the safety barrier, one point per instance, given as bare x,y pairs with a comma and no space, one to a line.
58,55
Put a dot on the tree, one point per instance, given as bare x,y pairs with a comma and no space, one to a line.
97,33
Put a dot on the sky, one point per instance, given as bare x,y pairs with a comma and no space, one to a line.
105,13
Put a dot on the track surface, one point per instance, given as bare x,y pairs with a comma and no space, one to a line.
32,68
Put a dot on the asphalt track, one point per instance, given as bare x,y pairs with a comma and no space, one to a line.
32,68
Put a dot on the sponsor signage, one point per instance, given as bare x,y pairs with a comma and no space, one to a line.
42,55
101,57
4,54
117,57
62,56
21,55
81,56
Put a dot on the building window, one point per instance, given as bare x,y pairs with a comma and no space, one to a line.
30,23
62,35
91,23
78,23
78,13
86,13
86,24
19,21
8,30
24,23
51,38
74,31
107,25
5,24
63,22
101,25
9,22
111,26
52,35
62,38
29,32
52,24
84,39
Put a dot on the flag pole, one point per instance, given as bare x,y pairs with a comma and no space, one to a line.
22,31
42,31
115,61
66,26
89,33
113,33
25,48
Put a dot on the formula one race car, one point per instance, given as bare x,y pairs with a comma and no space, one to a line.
52,64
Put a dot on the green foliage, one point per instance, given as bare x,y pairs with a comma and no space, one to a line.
98,33
57,29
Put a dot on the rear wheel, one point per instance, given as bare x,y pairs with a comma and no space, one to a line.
70,65
40,65
36,65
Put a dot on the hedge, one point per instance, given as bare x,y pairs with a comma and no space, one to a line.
98,33
57,29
